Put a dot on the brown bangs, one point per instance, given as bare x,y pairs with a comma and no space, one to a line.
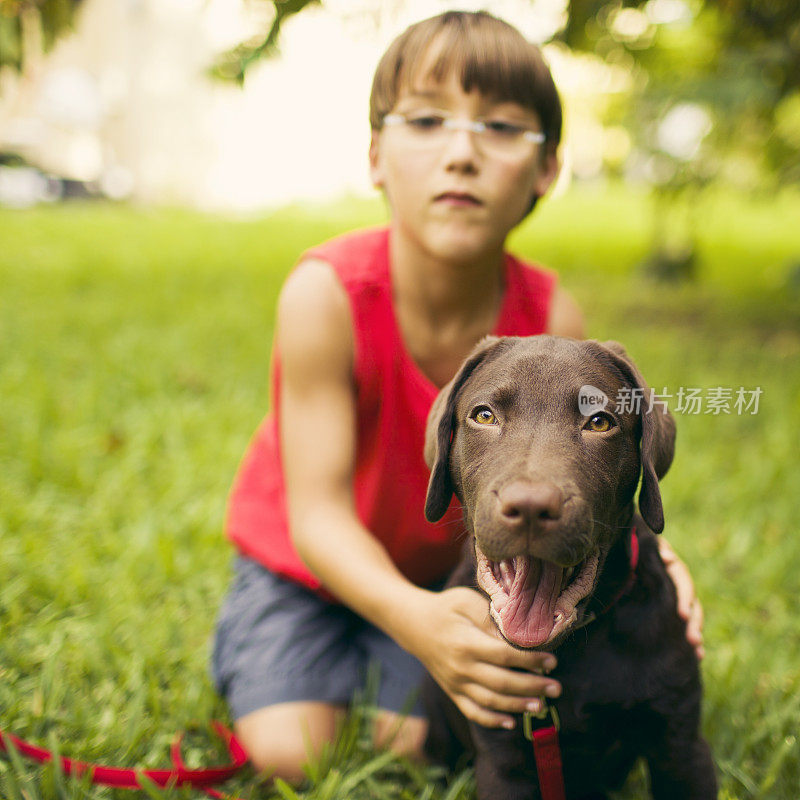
488,55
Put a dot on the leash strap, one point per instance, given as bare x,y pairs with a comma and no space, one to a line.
121,778
547,753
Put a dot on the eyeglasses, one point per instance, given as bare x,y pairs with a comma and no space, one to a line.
495,136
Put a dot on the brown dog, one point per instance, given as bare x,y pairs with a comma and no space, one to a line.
546,467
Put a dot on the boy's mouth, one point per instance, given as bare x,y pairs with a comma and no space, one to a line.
533,601
458,198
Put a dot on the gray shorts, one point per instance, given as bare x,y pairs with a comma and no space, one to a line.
278,642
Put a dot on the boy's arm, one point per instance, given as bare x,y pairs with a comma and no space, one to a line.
566,317
318,441
450,631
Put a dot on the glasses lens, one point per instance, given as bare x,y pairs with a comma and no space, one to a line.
425,129
502,138
433,129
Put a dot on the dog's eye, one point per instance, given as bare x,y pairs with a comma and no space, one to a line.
483,416
600,423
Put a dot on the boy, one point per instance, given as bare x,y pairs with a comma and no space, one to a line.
337,562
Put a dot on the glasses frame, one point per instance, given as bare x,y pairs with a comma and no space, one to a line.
453,124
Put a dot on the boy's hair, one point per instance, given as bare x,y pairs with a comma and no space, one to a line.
491,56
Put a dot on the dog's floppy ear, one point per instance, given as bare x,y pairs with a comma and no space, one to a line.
658,439
439,431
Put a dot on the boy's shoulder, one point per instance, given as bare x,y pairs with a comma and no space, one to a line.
343,284
356,256
532,270
566,317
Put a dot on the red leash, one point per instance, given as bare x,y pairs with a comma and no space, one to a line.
122,778
547,753
546,749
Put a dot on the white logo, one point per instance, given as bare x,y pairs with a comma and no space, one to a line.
591,400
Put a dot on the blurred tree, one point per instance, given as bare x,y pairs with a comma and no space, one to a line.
233,64
738,59
715,96
28,27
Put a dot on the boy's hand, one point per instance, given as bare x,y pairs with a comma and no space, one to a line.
689,607
459,644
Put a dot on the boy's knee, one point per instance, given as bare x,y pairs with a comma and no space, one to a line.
402,735
279,740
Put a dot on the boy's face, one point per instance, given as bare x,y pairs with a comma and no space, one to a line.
455,196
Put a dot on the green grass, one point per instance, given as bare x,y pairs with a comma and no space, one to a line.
134,352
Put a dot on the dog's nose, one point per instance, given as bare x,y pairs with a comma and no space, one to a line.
523,504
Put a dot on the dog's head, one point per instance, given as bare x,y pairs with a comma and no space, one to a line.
530,437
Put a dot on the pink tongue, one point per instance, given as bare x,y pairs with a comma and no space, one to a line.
527,617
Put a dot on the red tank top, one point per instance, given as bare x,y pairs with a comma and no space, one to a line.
393,398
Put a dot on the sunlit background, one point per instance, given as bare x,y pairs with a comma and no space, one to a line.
125,102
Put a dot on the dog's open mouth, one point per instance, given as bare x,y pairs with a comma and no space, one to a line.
533,601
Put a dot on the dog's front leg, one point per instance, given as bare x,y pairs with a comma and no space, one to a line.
683,768
504,764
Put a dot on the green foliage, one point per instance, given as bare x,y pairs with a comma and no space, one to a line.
772,31
134,350
737,59
234,63
26,22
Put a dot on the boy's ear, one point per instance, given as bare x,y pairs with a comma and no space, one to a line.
548,171
375,169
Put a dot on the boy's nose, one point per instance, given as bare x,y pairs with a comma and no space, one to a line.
461,149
